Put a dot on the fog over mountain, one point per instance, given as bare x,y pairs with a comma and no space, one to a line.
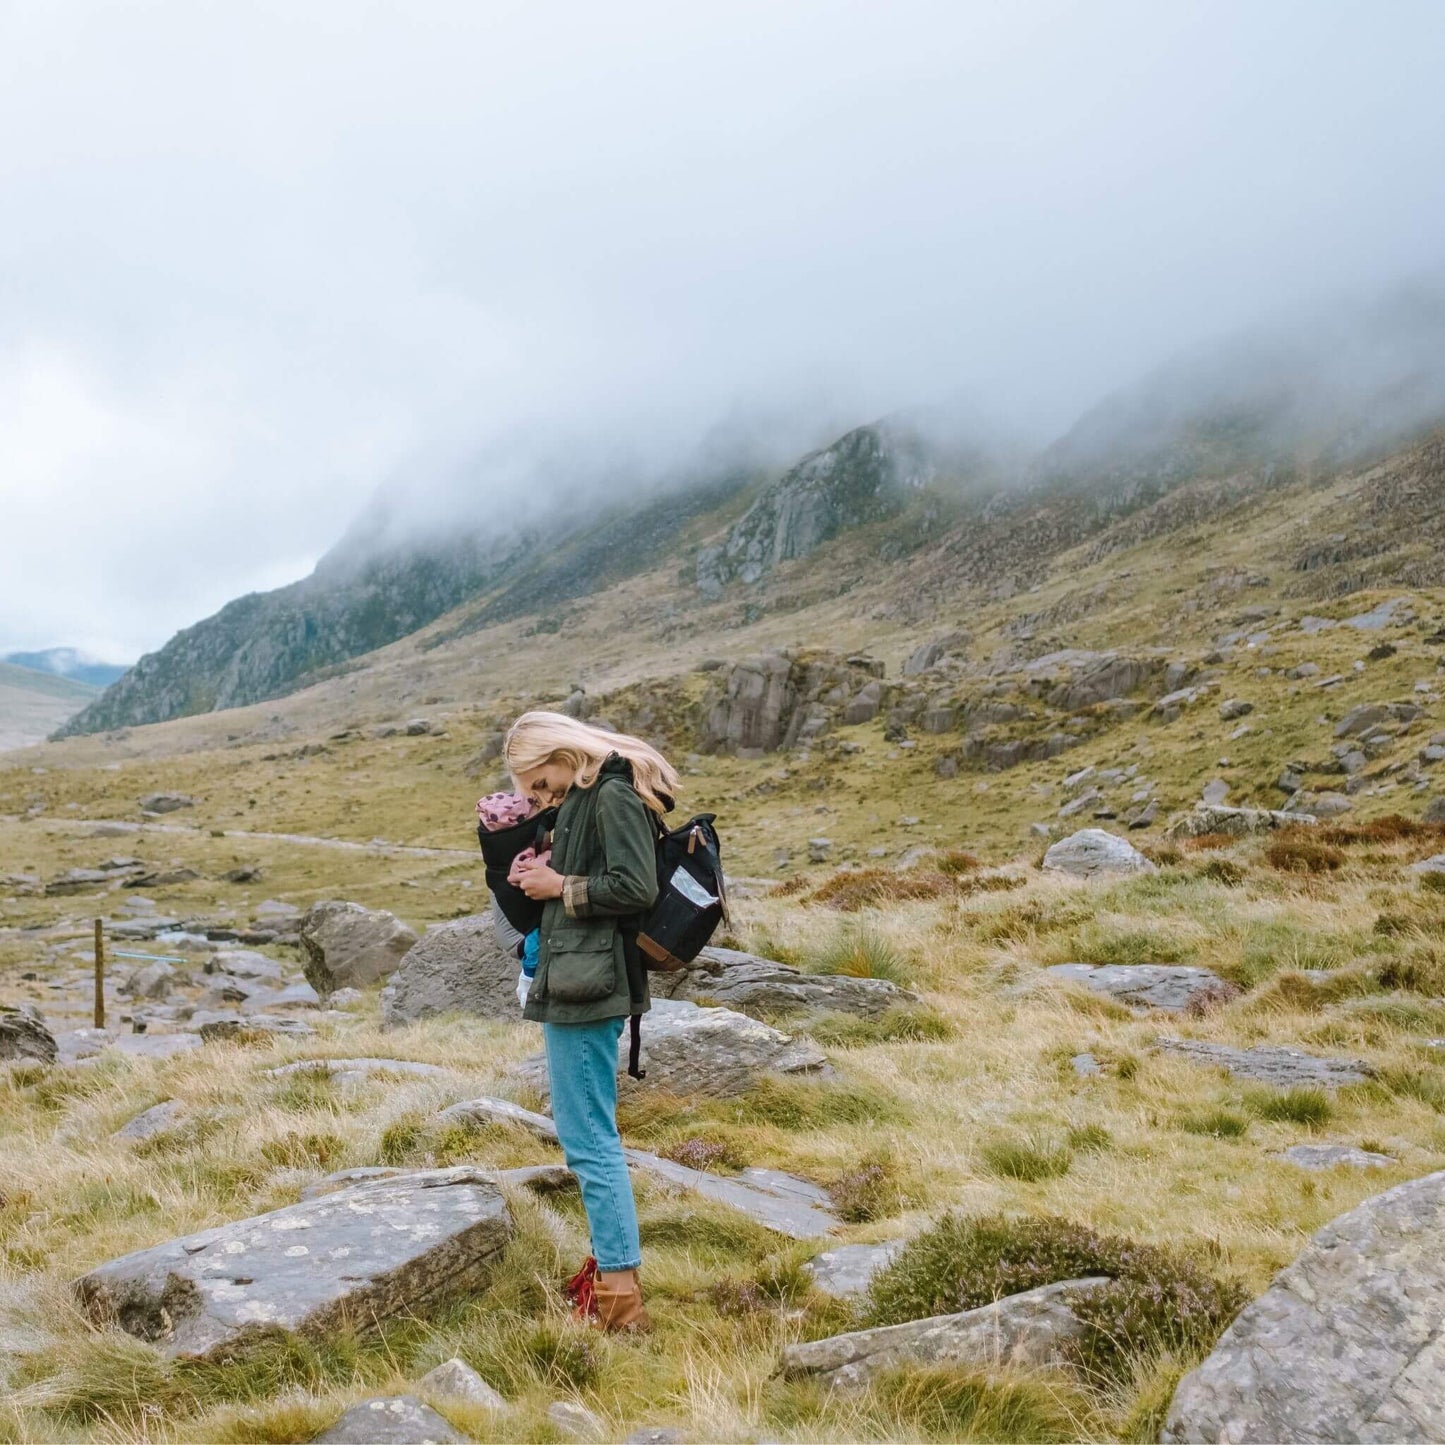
267,272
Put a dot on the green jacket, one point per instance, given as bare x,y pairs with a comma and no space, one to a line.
603,845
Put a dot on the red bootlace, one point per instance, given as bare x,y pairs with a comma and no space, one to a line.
581,1292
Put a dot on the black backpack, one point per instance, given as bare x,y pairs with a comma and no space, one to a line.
691,895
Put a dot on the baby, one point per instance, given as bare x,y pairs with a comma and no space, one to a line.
505,810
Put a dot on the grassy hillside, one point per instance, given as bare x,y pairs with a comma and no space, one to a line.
1279,606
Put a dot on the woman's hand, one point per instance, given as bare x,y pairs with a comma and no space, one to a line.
541,881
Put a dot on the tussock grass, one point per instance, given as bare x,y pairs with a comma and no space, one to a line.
859,953
1311,1107
1027,1157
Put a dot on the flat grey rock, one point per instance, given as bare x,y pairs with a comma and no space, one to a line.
848,1270
1430,865
77,1044
1023,1331
1085,1065
1347,1344
655,1435
543,1178
1148,985
778,1201
1271,1064
456,1380
294,995
157,1046
390,1420
348,946
1093,852
357,1256
1327,1156
158,1119
245,963
750,984
708,1051
457,967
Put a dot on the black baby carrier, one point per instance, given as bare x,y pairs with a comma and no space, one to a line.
499,852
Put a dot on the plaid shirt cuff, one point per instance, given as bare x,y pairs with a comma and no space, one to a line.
574,896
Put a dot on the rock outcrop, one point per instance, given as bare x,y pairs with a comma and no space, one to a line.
1237,822
863,477
390,1420
457,966
25,1037
1347,1344
1023,1331
348,946
357,1257
781,700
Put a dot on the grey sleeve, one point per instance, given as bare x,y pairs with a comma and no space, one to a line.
507,937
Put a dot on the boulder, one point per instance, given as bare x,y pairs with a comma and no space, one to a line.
750,984
152,980
1320,805
351,1258
1237,822
1025,1331
456,1380
390,1420
1435,810
25,1037
1271,1064
348,946
1235,707
166,802
1346,1344
574,1421
1149,985
1329,1156
931,653
848,1270
456,967
1092,852
708,1051
1430,865
1362,718
540,1178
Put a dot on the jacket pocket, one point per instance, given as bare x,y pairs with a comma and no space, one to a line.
582,964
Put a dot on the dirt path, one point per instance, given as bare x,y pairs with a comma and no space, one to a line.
115,826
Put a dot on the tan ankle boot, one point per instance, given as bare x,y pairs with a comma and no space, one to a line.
619,1303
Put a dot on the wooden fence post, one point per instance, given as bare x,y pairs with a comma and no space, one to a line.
99,975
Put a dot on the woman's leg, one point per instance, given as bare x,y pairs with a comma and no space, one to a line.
582,1069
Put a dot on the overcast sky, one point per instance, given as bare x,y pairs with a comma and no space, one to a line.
257,260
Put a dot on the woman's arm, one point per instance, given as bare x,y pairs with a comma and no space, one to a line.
628,881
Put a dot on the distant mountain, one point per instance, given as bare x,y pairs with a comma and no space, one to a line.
68,662
33,703
377,586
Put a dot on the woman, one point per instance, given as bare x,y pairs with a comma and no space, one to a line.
609,790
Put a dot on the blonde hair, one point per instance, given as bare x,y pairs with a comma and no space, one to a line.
539,738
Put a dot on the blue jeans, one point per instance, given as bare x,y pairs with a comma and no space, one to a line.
582,1069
